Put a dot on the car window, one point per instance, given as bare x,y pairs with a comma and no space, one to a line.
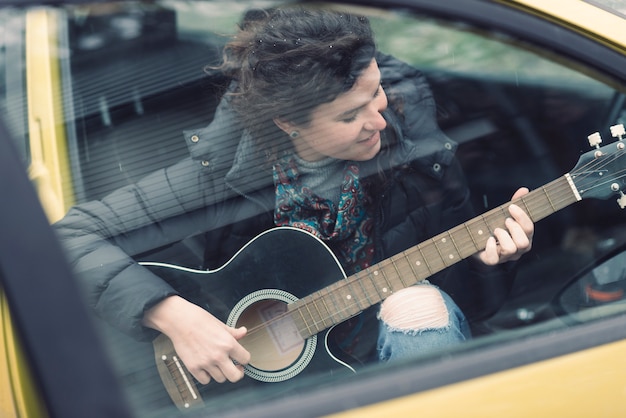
12,95
138,91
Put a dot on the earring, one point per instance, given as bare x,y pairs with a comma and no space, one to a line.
294,134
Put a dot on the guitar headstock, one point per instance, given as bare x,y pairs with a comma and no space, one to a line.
601,173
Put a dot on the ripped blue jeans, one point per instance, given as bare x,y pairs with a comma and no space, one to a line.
415,328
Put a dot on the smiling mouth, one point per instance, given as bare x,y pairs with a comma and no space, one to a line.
375,135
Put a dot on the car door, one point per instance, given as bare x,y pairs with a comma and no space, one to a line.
96,96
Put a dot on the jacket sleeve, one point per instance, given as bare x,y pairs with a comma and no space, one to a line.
100,238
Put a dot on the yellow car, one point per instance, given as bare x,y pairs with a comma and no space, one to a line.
95,96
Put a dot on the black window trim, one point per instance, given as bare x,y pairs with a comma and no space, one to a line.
65,355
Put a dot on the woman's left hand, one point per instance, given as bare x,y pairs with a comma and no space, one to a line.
511,243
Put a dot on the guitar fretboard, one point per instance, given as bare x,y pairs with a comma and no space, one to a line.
346,298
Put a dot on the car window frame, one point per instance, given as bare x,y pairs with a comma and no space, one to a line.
52,276
507,19
64,353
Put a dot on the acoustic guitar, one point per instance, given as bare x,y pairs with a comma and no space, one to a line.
285,302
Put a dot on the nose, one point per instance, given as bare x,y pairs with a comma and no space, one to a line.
376,122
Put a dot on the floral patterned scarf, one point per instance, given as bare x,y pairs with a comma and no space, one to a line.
346,227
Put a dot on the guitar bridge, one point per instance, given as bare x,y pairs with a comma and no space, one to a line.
176,378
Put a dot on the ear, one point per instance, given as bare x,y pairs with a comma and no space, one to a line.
284,126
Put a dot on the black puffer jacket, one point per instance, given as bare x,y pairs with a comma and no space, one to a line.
223,192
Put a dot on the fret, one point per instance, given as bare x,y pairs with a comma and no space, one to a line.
387,286
441,256
504,209
548,199
485,218
498,216
495,218
418,265
376,291
332,293
456,248
314,298
463,241
469,233
404,265
312,318
303,327
364,289
537,204
446,249
354,296
376,286
348,300
526,208
413,270
298,320
425,260
328,310
337,300
480,230
308,322
432,256
398,273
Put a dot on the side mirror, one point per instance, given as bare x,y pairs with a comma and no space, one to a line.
598,292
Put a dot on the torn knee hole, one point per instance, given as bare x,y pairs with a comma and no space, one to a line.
415,308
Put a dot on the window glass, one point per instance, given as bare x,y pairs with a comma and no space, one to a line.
521,116
139,89
12,94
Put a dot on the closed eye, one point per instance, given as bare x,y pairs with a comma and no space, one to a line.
378,90
351,116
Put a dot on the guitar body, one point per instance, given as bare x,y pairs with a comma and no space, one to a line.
254,289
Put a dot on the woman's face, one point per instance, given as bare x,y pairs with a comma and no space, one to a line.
348,128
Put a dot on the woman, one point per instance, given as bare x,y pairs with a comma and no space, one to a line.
318,131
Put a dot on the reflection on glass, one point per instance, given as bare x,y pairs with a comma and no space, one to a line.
141,87
598,293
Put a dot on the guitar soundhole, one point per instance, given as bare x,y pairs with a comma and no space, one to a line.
277,350
273,341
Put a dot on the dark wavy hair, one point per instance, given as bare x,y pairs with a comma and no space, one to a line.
288,61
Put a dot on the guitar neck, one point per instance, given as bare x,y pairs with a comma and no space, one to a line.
346,298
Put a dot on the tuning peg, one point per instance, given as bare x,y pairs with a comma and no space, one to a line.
595,139
618,131
621,201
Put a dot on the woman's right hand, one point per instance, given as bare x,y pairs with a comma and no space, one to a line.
208,347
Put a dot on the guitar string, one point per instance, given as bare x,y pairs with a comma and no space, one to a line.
560,195
313,325
562,191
